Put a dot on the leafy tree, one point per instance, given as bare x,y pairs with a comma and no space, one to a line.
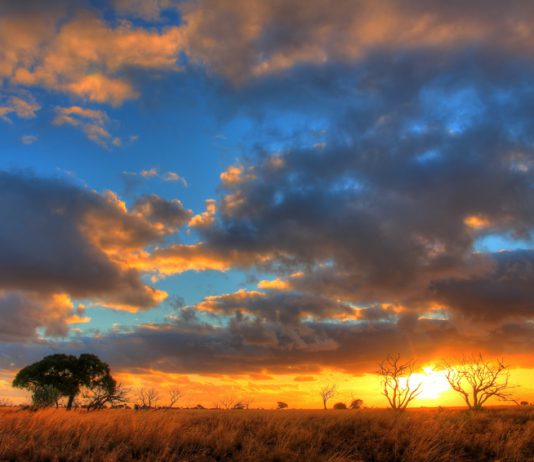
45,396
67,374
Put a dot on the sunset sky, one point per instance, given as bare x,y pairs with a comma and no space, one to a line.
254,198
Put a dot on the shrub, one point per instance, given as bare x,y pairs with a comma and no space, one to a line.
340,406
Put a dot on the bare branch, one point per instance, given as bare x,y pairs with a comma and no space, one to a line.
327,392
397,388
478,380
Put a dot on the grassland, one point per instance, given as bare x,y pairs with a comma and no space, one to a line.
336,436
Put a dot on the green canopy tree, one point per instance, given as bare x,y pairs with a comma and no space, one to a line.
67,374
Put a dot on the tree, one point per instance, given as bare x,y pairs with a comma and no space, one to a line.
227,402
281,405
45,396
340,406
397,387
147,398
67,374
174,396
239,406
356,404
98,398
477,380
327,392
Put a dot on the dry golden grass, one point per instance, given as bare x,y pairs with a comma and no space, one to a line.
179,435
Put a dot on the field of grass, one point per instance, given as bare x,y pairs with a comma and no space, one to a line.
336,436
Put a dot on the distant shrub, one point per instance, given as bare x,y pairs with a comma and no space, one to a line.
356,404
4,402
340,406
281,405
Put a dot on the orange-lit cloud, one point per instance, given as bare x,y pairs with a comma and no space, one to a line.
91,121
22,108
247,39
82,55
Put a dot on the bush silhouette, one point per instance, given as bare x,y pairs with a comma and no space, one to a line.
340,406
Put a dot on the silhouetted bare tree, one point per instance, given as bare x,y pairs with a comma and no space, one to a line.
398,389
98,398
477,380
147,398
227,402
327,392
174,396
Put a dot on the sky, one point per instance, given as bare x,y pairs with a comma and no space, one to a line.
249,198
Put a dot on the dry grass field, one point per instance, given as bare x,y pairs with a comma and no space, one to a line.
183,435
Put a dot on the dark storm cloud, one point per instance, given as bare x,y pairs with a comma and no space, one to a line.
504,292
21,314
285,308
59,238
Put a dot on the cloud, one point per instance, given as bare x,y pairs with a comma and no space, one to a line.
58,238
22,313
503,292
149,10
24,108
29,139
243,40
91,121
170,215
72,50
133,179
173,177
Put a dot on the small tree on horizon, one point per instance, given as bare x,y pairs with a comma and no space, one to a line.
147,398
174,396
397,388
478,380
356,403
281,405
327,392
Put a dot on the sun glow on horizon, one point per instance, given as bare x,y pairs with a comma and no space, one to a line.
433,383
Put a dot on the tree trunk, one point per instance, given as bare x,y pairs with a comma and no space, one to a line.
69,402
